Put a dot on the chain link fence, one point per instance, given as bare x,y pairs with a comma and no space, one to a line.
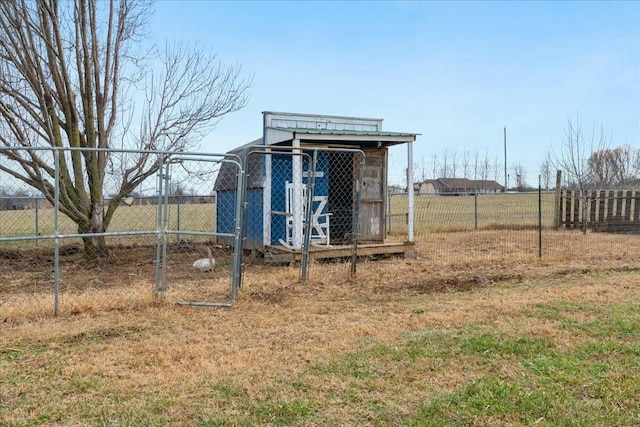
460,218
162,240
303,206
182,235
179,236
200,263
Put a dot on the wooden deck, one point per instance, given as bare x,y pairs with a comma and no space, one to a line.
280,254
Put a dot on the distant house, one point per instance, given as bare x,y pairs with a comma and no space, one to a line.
396,189
456,186
16,202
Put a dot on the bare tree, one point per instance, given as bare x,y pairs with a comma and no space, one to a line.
603,164
434,165
423,170
520,174
476,164
497,166
485,166
444,169
624,156
65,71
545,171
613,167
466,162
454,166
573,159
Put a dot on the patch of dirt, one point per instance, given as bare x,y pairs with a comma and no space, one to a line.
101,335
33,268
430,285
276,295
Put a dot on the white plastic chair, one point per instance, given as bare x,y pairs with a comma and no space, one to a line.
320,226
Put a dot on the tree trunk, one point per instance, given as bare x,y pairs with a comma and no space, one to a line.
585,200
95,247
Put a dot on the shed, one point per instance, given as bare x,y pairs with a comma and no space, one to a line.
276,182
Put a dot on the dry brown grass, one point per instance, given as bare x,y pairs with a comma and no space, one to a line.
279,326
444,261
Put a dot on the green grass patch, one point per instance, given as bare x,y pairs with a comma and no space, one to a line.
474,374
487,400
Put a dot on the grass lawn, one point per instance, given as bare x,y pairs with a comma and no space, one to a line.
549,343
488,211
432,213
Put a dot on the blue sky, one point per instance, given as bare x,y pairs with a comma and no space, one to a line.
455,72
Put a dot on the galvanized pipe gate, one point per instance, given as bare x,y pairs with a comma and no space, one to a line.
178,239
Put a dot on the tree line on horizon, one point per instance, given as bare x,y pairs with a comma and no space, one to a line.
593,164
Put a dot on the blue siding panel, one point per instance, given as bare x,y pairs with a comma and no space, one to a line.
280,173
225,222
254,223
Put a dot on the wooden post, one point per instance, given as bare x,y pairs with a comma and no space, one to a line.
601,206
577,198
557,221
619,198
567,215
557,210
627,206
609,217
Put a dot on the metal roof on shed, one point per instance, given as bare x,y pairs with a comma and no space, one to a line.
336,137
345,132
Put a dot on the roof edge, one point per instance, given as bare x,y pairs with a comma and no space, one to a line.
343,132
327,116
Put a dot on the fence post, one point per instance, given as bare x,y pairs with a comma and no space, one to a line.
311,183
475,209
410,194
56,232
556,208
356,215
37,208
539,216
158,283
239,228
165,224
178,218
389,212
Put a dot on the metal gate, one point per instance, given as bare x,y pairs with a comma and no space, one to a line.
162,238
199,264
303,204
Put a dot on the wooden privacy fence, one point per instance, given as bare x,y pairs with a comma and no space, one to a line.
606,210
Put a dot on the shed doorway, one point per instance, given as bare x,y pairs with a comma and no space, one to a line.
344,171
372,200
341,196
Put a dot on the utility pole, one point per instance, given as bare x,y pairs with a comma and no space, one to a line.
506,182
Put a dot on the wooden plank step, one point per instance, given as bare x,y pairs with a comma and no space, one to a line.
279,254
